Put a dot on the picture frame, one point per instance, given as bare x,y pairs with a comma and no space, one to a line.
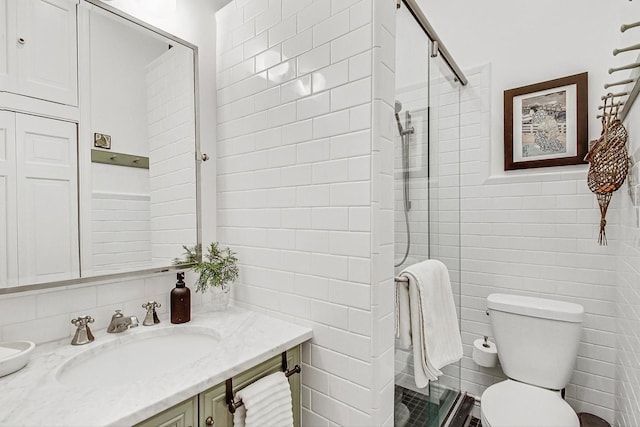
101,140
545,124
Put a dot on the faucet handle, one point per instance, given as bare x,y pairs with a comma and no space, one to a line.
151,305
83,333
152,317
82,321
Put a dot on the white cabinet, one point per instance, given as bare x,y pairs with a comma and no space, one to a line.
38,161
8,212
8,65
38,49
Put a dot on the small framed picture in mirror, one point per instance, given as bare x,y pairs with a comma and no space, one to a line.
100,140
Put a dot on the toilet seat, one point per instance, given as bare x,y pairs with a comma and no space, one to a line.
511,404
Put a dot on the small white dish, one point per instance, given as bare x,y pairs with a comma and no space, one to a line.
14,356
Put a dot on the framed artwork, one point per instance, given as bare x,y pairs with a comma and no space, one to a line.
545,124
101,140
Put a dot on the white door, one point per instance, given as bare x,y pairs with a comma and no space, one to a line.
47,183
46,34
8,232
8,65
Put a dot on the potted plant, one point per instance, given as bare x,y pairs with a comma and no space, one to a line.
217,270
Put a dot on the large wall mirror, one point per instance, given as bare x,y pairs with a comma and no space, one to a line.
137,157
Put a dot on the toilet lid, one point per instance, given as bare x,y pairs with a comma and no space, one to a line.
511,404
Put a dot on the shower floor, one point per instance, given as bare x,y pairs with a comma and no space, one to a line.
425,412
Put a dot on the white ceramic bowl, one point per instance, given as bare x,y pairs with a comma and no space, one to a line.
17,356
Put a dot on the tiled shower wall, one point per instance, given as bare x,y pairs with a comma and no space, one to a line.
628,268
305,187
414,100
534,234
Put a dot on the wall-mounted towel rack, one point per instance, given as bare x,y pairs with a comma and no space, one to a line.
627,95
235,404
119,159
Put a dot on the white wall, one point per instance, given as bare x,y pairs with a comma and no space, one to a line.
628,301
527,44
532,232
305,185
120,54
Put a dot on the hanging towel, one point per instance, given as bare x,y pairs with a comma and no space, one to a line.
403,316
266,402
435,333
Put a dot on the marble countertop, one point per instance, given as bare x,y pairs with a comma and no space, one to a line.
34,396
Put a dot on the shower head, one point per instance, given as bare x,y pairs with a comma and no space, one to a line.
398,108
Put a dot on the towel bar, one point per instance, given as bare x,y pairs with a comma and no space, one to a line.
233,404
401,279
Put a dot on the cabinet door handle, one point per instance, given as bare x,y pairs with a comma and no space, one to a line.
209,421
21,40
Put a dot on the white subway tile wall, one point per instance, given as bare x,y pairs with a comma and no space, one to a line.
535,234
304,131
172,174
627,366
120,232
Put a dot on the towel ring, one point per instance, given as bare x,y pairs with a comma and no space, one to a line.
233,404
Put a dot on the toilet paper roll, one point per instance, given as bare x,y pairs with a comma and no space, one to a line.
485,356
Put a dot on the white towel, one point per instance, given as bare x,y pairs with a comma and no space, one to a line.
403,316
435,333
266,402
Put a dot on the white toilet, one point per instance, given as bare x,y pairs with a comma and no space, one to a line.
537,341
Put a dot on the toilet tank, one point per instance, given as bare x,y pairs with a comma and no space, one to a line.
537,338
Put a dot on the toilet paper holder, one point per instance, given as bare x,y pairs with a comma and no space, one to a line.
485,353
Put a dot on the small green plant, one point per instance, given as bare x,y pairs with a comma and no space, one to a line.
190,255
218,267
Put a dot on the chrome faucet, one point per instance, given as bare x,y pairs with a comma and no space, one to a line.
83,332
120,322
152,317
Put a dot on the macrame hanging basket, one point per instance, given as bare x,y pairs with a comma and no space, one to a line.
608,164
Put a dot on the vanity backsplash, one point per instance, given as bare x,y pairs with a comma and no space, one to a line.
45,315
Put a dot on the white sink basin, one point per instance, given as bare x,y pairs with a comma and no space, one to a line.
137,356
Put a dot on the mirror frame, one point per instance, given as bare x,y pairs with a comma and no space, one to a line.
198,161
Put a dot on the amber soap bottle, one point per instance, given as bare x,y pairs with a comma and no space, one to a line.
180,301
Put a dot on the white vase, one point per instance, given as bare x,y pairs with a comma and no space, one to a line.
219,297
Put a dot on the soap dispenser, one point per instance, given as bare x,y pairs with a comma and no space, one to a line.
180,301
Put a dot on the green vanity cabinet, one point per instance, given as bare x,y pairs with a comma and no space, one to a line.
210,406
184,414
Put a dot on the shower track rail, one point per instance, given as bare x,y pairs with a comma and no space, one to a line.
415,10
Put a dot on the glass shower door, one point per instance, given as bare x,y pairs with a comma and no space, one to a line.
444,203
427,203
